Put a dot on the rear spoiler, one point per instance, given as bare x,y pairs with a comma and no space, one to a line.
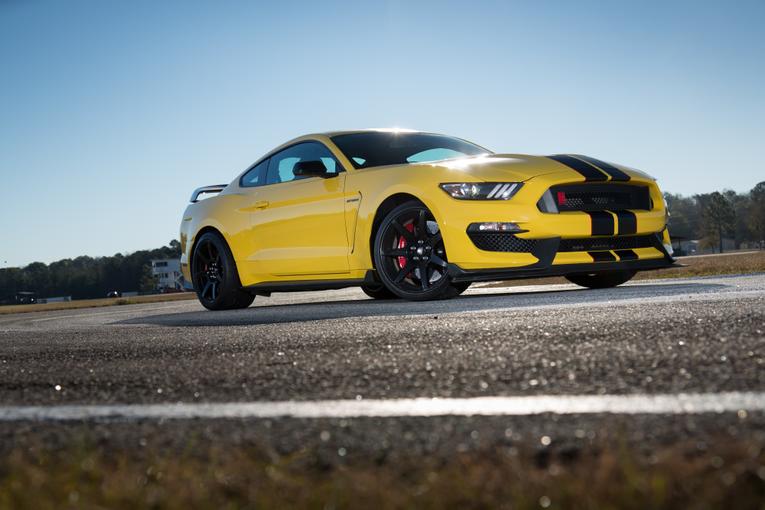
215,188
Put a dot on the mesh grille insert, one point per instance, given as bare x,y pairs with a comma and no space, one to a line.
600,197
507,242
501,241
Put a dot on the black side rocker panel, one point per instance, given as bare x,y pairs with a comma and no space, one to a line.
266,288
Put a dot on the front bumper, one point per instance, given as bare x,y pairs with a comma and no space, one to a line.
455,217
546,250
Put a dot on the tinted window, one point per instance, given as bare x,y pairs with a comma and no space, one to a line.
377,148
434,155
282,165
256,176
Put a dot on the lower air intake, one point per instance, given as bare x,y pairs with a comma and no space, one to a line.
507,242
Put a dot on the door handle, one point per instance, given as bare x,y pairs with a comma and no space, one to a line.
260,204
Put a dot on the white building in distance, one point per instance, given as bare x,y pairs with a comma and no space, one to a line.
167,272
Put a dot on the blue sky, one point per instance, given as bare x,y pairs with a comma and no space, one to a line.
112,112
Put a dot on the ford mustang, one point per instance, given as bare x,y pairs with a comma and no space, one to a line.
417,216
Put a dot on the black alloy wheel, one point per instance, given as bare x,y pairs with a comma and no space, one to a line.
215,277
410,256
378,291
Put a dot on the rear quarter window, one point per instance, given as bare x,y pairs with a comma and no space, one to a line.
255,176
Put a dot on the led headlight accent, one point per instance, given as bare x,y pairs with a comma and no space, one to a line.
495,226
482,190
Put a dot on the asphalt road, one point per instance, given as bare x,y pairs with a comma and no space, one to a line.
700,335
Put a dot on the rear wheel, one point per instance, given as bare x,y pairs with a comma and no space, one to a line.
410,256
378,291
213,272
602,280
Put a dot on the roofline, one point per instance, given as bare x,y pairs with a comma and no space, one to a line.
371,130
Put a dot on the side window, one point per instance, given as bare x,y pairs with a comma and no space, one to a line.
282,165
256,176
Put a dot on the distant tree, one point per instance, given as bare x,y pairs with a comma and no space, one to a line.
148,282
756,216
684,219
718,218
741,207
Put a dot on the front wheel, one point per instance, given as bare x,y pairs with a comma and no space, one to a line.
601,280
214,274
410,256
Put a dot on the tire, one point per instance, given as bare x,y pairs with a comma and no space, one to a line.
409,255
214,275
602,280
378,291
461,287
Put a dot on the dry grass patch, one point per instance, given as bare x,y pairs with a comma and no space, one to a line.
97,303
609,476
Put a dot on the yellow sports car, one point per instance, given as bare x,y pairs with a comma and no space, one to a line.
417,216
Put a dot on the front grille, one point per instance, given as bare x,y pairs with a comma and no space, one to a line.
596,197
606,243
507,242
501,241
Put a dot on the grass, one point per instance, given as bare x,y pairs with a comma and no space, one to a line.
90,476
95,303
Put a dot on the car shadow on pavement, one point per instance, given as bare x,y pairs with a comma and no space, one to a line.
341,309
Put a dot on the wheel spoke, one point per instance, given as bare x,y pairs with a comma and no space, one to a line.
435,239
207,286
214,290
401,230
422,225
424,278
437,261
403,272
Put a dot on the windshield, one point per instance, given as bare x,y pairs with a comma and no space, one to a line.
377,148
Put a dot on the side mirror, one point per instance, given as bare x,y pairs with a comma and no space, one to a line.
311,169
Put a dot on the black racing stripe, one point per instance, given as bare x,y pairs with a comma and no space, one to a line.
602,223
589,172
615,173
627,255
602,256
627,222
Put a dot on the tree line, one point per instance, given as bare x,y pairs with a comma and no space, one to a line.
86,277
712,217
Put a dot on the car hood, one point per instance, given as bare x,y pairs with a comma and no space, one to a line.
511,168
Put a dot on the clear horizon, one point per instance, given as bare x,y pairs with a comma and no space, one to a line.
113,113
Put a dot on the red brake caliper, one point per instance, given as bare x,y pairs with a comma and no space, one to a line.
402,244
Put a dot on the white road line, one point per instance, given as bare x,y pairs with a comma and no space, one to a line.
690,403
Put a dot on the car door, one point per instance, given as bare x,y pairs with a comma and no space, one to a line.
299,222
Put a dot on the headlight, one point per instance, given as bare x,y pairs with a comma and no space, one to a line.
482,190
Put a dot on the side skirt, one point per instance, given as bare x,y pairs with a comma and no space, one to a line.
266,288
